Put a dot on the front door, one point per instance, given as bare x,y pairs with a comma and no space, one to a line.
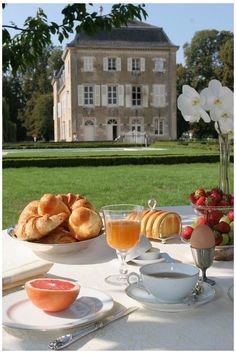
112,129
89,132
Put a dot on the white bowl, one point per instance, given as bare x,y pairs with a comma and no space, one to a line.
169,289
81,252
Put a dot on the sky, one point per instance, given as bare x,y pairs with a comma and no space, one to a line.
180,21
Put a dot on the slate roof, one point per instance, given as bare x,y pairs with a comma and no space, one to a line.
136,33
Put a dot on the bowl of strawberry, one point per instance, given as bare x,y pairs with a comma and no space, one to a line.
215,209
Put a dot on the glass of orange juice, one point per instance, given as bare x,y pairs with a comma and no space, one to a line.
122,228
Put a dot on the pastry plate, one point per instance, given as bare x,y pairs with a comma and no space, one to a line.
93,250
19,312
139,293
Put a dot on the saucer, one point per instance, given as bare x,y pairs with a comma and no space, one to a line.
139,293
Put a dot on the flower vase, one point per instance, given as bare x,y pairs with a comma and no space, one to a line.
224,146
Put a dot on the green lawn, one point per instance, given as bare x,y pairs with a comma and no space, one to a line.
169,185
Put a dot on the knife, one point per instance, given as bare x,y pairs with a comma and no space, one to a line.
66,340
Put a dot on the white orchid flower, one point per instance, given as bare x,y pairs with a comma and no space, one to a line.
190,104
217,99
226,124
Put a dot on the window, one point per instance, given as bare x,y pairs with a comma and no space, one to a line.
89,122
111,64
136,96
112,95
159,65
136,64
88,64
88,95
159,126
136,125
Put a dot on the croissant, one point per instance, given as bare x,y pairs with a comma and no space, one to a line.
51,205
59,235
85,223
35,227
31,209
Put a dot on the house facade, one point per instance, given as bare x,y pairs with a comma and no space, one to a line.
118,85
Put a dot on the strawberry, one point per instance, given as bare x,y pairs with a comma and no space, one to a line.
223,203
217,190
187,232
218,240
223,227
200,192
210,201
231,202
226,197
216,195
201,201
201,220
231,215
192,198
214,217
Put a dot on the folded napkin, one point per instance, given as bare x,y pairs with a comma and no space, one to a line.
19,275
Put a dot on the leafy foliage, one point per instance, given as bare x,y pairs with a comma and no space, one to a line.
24,48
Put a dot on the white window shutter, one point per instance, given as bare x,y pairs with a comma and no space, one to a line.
162,95
128,90
105,64
145,95
104,95
142,64
97,95
118,64
80,95
129,64
121,95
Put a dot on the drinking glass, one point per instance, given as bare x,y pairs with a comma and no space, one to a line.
122,228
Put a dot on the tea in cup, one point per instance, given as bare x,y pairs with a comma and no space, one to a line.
169,282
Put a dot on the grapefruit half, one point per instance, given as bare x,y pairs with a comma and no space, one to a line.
52,294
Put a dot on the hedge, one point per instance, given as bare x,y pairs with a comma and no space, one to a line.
107,161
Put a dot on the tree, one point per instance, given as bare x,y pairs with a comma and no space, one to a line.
208,56
39,116
22,90
24,48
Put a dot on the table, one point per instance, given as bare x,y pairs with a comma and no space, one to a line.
208,327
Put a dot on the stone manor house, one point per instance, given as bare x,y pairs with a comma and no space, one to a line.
117,85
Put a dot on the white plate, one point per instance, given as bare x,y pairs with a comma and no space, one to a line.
140,294
19,312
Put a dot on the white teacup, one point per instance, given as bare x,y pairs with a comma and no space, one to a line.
169,282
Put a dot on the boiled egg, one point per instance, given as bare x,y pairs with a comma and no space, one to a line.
202,237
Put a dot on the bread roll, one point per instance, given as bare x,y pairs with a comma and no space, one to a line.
35,227
51,205
85,223
82,203
69,199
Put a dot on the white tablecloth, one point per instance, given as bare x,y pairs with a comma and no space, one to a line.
207,327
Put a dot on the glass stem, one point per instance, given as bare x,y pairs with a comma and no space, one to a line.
123,265
204,277
224,145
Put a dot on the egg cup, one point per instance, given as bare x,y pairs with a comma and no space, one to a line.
203,258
